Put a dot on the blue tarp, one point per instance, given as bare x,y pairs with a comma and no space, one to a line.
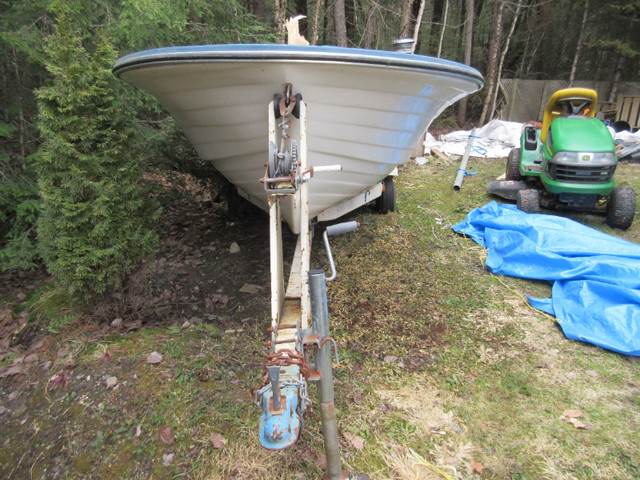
595,276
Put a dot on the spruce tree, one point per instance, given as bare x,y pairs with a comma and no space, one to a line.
96,219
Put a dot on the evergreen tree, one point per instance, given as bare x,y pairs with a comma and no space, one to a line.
96,217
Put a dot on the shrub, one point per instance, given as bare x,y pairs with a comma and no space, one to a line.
96,220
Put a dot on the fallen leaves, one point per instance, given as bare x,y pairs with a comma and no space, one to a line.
250,288
166,435
217,440
60,379
477,467
217,300
355,441
572,416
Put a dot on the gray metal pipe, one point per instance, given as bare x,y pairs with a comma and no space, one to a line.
320,325
457,184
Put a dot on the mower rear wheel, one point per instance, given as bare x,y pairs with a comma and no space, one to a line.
621,208
513,165
529,200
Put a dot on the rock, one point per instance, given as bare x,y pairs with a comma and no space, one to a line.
234,248
390,359
116,322
167,458
154,357
186,324
2,410
111,382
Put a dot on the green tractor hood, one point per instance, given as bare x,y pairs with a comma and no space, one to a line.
579,134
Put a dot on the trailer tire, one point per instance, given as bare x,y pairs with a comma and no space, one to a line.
529,200
387,201
513,165
621,208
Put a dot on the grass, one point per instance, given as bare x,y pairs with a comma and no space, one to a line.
443,367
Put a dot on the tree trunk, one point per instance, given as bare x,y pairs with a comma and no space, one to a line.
315,26
444,25
427,27
258,10
576,57
516,15
416,30
493,56
279,14
615,82
369,27
468,44
405,19
340,20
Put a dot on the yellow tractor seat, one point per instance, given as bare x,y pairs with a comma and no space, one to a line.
566,102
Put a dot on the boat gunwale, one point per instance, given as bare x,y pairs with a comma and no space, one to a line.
289,53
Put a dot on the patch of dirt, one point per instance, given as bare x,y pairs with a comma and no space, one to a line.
206,257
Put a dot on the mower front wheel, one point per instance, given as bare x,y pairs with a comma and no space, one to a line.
529,200
513,165
621,208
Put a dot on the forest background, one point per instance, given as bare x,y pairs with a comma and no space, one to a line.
75,141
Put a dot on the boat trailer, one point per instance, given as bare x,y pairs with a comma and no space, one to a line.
300,348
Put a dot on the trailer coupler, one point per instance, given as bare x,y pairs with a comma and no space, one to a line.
283,400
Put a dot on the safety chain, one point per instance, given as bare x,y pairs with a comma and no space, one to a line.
286,358
305,401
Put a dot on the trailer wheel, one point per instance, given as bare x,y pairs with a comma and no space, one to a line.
387,201
621,208
513,165
529,200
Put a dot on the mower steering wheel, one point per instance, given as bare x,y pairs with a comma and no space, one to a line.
571,108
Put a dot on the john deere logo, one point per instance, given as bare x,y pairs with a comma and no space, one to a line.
586,157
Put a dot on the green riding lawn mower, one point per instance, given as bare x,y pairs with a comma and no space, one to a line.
567,162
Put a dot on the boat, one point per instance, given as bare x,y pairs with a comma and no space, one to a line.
367,110
307,133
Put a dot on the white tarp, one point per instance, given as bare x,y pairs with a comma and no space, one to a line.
498,137
494,140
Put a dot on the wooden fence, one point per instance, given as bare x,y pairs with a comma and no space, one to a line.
524,100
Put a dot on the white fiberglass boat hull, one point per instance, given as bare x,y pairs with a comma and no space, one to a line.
366,109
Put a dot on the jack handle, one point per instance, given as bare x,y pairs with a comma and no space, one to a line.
332,230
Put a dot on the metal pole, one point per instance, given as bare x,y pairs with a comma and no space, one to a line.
320,319
463,164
